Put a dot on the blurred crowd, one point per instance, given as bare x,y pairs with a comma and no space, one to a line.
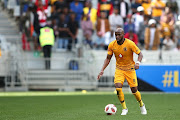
150,24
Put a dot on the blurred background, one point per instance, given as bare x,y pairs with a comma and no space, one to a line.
80,32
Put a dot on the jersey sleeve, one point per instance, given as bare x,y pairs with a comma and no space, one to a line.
135,48
110,51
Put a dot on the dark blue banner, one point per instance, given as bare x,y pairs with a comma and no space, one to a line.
163,77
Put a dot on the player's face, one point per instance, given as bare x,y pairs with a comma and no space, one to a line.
119,36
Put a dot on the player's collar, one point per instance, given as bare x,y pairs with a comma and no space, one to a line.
122,42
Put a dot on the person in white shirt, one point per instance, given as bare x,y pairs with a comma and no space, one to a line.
138,18
115,20
152,36
123,8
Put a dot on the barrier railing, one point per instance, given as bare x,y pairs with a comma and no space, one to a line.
31,72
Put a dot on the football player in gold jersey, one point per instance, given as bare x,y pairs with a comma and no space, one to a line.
125,67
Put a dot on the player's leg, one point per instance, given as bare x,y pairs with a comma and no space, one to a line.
118,81
137,95
120,95
132,81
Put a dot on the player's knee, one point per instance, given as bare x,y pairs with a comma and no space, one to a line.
119,90
134,89
118,85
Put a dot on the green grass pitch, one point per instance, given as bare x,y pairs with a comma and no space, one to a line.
90,106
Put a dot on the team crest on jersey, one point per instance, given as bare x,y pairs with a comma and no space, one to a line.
134,80
125,49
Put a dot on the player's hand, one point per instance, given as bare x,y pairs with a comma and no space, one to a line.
136,66
100,74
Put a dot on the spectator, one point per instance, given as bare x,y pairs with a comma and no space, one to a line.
55,27
91,12
43,2
103,27
146,4
25,25
86,3
141,33
42,13
53,1
168,43
47,41
87,28
135,5
54,12
123,8
157,9
66,13
129,25
132,36
177,30
152,37
166,29
109,37
59,5
73,30
104,6
36,26
115,20
0,52
177,48
63,33
173,6
77,8
138,18
167,13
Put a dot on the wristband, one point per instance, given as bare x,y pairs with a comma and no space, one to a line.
138,62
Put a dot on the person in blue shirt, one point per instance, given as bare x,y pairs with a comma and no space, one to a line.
129,25
77,8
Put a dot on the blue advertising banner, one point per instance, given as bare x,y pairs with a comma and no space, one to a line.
163,77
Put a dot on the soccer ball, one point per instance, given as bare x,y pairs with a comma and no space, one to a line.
110,109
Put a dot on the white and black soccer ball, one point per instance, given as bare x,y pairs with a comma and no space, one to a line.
110,109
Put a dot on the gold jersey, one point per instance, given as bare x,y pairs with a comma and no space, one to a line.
123,54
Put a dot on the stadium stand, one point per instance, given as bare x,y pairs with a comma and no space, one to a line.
23,68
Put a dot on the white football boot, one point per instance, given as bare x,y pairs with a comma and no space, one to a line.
143,110
124,112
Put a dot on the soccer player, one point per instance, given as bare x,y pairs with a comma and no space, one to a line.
123,49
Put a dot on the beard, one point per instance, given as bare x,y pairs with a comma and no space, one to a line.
119,39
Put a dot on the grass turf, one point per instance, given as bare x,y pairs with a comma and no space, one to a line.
86,107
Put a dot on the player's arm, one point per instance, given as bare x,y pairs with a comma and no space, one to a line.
140,56
106,63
